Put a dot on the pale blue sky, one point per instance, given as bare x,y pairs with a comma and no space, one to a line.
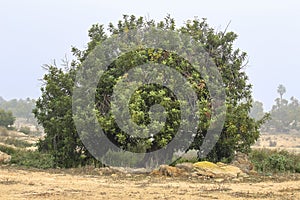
34,32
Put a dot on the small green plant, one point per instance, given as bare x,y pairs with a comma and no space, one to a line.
25,129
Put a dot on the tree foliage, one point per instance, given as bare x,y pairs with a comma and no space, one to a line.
54,112
6,118
257,110
281,90
285,114
21,108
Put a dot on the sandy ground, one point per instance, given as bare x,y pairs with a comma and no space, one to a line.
31,184
289,142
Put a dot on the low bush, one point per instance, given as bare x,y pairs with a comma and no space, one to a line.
25,129
121,159
3,131
275,161
7,150
32,159
184,160
28,158
17,143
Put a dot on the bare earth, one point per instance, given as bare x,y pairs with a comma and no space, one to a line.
29,184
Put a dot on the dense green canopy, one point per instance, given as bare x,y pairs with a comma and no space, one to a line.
54,107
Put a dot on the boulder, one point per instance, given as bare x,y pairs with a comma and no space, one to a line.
166,170
186,166
219,170
4,158
241,161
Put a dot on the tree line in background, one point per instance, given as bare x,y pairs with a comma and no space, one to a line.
284,115
20,108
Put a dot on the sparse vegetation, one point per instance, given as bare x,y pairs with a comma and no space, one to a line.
25,129
3,131
17,142
33,159
124,159
6,118
272,143
8,150
275,161
184,160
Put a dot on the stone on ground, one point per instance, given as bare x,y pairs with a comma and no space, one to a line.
4,158
219,170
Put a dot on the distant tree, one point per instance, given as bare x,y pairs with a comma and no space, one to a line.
6,118
1,100
257,110
285,114
281,91
21,108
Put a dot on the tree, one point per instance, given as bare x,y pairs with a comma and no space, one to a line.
54,112
284,116
21,108
257,110
53,109
281,91
6,118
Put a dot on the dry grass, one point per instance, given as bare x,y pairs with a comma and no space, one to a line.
289,142
64,184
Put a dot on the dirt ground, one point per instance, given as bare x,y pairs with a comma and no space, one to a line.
289,142
18,183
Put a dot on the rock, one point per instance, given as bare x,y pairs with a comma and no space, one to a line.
219,170
165,170
114,175
236,180
241,161
219,180
207,169
253,172
4,158
186,166
110,171
137,170
232,171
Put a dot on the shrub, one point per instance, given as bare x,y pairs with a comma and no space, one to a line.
17,143
25,129
6,118
274,161
184,160
124,159
7,150
32,159
3,131
272,143
28,158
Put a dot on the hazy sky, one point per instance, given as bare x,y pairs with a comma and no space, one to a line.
35,32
